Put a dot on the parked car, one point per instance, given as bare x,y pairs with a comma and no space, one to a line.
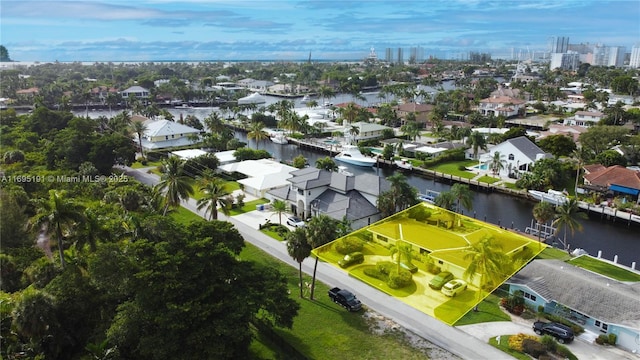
454,287
562,333
350,259
345,298
439,280
411,267
295,221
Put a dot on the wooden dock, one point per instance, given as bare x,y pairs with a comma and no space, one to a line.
317,145
608,213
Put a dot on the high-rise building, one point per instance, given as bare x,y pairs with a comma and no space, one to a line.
416,54
634,62
565,61
388,55
560,44
400,57
608,55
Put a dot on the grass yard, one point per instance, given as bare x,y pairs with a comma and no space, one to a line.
488,311
604,268
138,164
248,206
488,179
183,216
553,253
511,186
453,168
230,186
324,330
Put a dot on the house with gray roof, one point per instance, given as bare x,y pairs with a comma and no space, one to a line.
163,134
600,304
518,155
314,191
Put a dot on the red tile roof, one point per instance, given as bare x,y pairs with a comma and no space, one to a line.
615,175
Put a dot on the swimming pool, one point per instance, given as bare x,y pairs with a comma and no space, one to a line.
481,167
332,142
376,151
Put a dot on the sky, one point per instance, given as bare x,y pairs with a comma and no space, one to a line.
290,30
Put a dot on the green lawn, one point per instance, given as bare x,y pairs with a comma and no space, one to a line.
453,168
488,179
604,268
138,164
552,253
249,206
488,310
230,186
511,186
324,330
183,216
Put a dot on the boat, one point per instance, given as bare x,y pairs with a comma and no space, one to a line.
404,164
429,197
306,99
279,138
350,154
553,197
343,170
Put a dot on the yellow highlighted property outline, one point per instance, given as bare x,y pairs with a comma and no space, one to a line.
439,240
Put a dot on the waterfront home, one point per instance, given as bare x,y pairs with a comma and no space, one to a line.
138,91
584,118
262,175
421,112
367,131
260,86
314,191
506,106
164,134
616,179
517,155
600,304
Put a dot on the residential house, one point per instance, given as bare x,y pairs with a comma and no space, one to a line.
517,155
263,175
367,130
506,106
27,95
139,92
571,131
600,304
617,179
421,112
100,93
286,89
163,134
314,191
260,86
584,118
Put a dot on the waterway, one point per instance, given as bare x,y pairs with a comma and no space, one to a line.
613,239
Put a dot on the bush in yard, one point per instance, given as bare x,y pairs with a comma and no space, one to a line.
515,341
385,267
577,329
602,339
612,339
348,245
565,352
399,279
533,348
375,273
550,343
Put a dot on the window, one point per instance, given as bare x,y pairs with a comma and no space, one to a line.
529,296
511,157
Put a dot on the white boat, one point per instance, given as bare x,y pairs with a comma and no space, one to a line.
343,170
254,98
430,196
279,138
351,155
554,197
404,164
306,99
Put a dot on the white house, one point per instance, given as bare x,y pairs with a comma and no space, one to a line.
162,134
506,106
517,155
584,118
138,91
314,191
262,175
367,130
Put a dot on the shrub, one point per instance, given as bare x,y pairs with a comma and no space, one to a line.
549,342
565,352
348,245
612,339
515,341
399,279
577,329
375,273
462,168
533,348
602,339
432,268
385,267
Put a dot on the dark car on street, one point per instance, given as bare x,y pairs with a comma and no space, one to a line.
562,333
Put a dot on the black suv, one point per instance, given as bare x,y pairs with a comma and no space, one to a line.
562,333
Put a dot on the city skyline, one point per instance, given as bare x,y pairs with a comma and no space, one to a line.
200,30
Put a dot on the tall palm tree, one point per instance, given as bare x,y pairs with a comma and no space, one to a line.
447,200
487,260
567,216
400,196
299,249
497,163
173,183
57,215
402,250
256,132
321,230
354,131
411,130
214,193
543,212
477,141
279,207
326,163
139,128
463,195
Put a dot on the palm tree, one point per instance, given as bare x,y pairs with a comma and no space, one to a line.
477,141
497,163
214,193
543,212
567,216
400,196
354,131
411,130
57,215
173,183
321,230
139,128
463,195
299,249
402,250
279,207
326,163
447,200
256,132
487,260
